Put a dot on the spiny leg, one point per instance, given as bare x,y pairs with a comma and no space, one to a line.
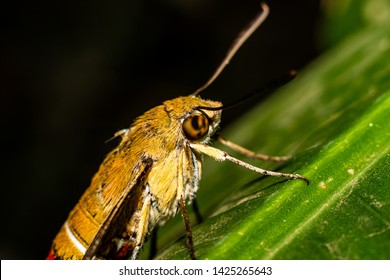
263,171
190,242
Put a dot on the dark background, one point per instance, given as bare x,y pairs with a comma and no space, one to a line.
73,73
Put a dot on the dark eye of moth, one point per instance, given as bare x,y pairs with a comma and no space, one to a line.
195,126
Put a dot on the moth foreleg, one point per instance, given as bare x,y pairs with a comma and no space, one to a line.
221,156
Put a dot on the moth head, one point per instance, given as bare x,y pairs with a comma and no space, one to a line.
197,118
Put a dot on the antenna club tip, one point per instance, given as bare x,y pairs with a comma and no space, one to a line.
264,6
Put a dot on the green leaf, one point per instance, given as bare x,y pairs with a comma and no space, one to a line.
344,17
335,119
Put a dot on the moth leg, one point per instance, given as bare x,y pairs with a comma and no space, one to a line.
180,196
187,223
249,153
221,156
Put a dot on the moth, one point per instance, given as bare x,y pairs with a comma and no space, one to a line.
151,174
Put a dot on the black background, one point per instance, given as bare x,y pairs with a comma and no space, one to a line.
73,73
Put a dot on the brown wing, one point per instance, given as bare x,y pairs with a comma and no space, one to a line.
116,222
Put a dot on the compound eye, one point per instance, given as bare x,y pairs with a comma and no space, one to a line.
195,126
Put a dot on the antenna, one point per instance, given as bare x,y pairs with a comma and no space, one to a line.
270,86
241,39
